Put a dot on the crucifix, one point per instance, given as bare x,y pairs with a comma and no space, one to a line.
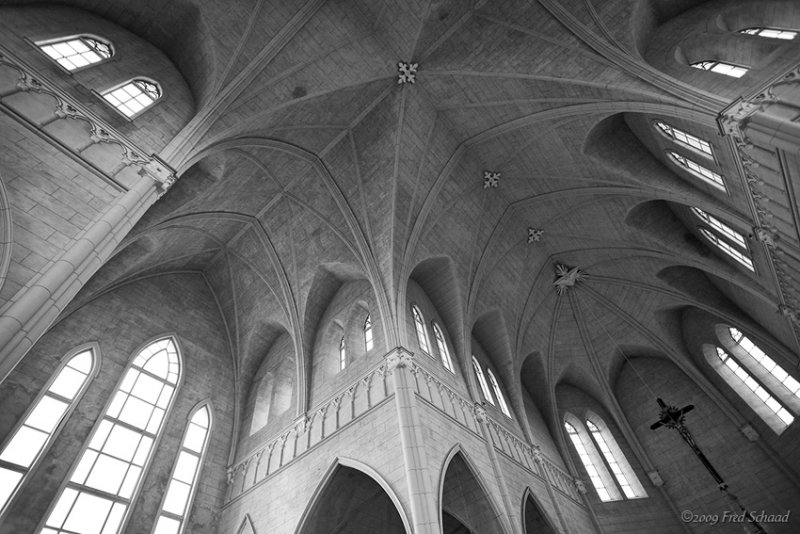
674,417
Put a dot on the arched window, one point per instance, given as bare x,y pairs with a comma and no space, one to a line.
727,249
444,354
342,355
133,97
721,227
482,381
98,493
720,67
683,138
591,463
706,175
368,341
76,52
763,384
35,431
501,400
183,482
422,334
771,33
615,459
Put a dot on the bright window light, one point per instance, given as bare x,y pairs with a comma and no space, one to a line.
720,67
727,249
766,363
482,381
444,354
77,52
588,463
133,97
342,355
37,429
684,138
422,334
697,170
180,491
613,464
497,393
368,340
101,488
771,33
721,227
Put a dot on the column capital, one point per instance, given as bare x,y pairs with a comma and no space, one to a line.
398,357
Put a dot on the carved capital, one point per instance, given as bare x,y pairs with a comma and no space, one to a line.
580,485
765,236
749,432
399,358
655,478
480,413
538,455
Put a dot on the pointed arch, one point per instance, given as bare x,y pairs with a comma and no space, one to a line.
246,526
357,470
535,519
487,514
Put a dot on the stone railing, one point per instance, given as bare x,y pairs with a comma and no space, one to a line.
530,457
347,405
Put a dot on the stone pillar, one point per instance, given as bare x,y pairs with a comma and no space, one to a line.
34,308
509,509
541,463
421,493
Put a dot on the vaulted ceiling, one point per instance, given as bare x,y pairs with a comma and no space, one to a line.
306,152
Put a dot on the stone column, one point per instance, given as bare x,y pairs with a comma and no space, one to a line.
421,494
34,308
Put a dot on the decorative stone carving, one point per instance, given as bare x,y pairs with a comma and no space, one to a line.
491,179
655,478
788,311
480,413
567,277
581,486
407,72
763,235
399,357
534,235
749,432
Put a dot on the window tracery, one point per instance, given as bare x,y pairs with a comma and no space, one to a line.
731,251
721,227
482,381
444,353
706,175
501,400
368,338
97,496
75,52
684,138
133,97
771,33
38,427
721,67
183,482
422,334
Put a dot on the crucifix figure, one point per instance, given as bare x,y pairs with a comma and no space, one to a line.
674,417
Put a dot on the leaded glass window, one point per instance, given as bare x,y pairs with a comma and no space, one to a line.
684,138
589,463
36,430
731,251
721,227
99,492
501,400
342,355
76,52
708,176
771,33
422,334
133,97
183,483
615,460
721,67
441,344
368,339
482,381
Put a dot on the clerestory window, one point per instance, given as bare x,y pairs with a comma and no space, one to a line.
615,459
684,138
721,67
422,334
104,482
34,433
501,400
727,248
342,355
368,339
133,97
591,462
695,169
441,344
760,381
76,52
720,227
482,381
183,482
771,33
